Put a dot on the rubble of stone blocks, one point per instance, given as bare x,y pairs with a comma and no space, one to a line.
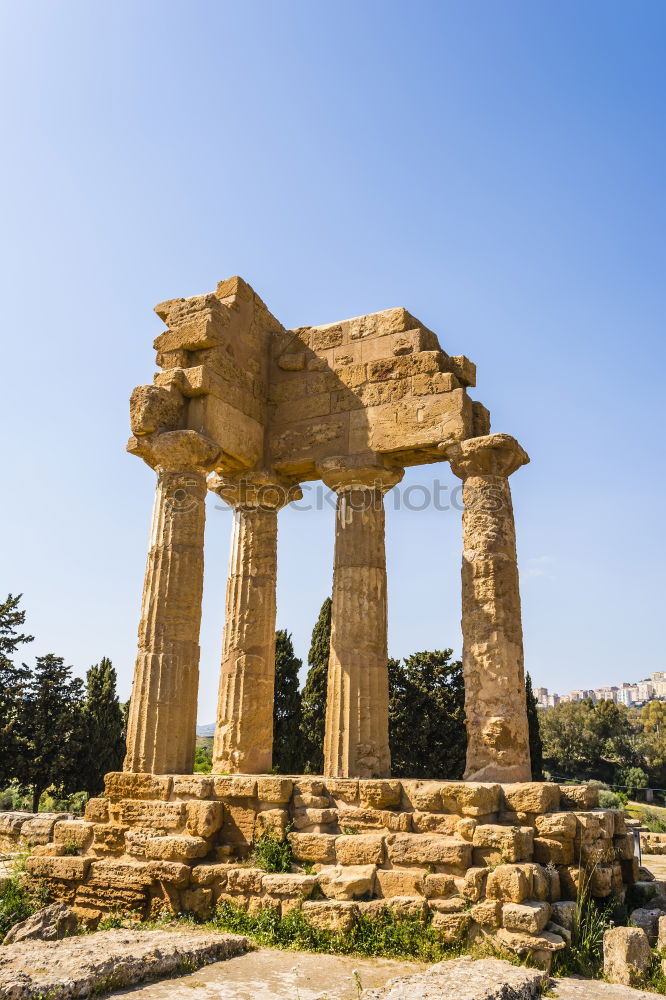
20,831
653,843
477,857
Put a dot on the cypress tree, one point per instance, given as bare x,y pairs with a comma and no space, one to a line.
52,730
12,684
536,747
104,726
427,716
287,714
314,692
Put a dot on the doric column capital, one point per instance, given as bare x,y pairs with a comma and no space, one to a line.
177,451
490,455
359,473
255,491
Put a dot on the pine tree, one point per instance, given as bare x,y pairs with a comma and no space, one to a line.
287,711
536,748
314,692
52,730
427,716
104,727
12,683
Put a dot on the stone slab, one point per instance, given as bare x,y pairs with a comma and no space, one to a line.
98,963
465,979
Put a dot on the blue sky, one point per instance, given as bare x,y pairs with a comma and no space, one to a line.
497,168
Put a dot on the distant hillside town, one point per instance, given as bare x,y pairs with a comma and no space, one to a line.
625,694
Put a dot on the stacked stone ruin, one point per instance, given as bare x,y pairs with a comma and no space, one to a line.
245,408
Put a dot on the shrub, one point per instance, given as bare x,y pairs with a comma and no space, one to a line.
17,903
608,799
271,854
382,936
651,820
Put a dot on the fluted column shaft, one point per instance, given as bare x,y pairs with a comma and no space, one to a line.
356,735
161,729
244,730
495,707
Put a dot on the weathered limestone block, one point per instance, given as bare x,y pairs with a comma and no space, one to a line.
234,786
424,796
438,885
331,915
97,811
342,789
563,913
361,820
288,884
524,944
76,832
380,794
356,731
350,882
204,818
273,822
209,875
421,849
306,801
39,829
560,824
198,901
649,920
443,823
661,933
152,815
177,848
532,796
465,828
510,883
399,882
488,913
68,868
553,850
474,884
238,825
398,906
529,917
120,785
627,955
455,904
197,786
495,710
578,797
500,843
118,874
244,880
173,872
315,847
304,818
361,849
162,716
451,926
274,789
472,798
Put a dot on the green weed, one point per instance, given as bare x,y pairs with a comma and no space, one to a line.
271,854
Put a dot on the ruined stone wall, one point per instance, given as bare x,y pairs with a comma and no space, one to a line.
478,857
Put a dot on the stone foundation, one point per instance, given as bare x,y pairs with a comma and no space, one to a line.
479,857
21,831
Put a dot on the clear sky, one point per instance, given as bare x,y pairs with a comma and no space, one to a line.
496,167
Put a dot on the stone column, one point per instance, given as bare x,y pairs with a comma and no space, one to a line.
244,729
356,735
495,708
161,729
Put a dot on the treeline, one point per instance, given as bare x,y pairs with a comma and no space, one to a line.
619,746
56,731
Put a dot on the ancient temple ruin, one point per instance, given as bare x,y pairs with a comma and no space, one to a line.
250,410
